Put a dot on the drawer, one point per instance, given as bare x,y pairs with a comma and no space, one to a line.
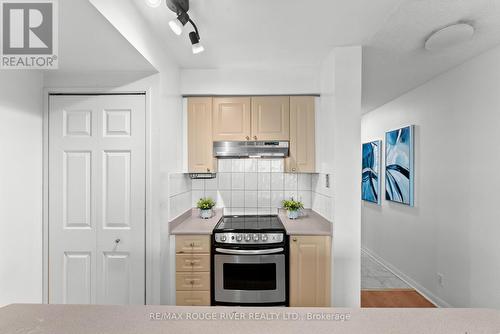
193,298
192,281
192,262
192,244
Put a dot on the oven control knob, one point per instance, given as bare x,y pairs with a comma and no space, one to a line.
223,238
247,237
264,237
238,237
256,237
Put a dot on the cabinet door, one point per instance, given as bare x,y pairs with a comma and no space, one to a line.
310,263
302,135
200,146
271,118
231,119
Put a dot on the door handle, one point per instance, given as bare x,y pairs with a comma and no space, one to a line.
249,252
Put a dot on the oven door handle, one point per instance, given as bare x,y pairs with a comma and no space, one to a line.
249,252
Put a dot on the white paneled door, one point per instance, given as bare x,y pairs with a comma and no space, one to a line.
97,199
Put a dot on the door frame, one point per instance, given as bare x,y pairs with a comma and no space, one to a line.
150,272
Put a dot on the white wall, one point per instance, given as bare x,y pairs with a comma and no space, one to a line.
20,187
340,122
179,195
286,81
454,227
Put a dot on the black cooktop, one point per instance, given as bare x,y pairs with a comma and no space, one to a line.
266,223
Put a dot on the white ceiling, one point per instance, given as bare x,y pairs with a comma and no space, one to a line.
269,33
395,61
88,42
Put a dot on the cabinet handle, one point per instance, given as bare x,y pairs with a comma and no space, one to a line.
191,282
191,244
192,264
255,137
247,137
294,169
294,239
208,169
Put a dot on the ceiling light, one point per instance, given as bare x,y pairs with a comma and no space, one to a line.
181,7
195,41
154,3
449,36
177,24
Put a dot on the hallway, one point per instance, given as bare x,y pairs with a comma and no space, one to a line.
381,288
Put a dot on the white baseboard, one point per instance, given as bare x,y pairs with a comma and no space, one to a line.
405,278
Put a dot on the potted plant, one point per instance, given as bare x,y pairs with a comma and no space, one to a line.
293,208
205,205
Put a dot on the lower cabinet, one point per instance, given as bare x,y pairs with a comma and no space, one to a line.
310,265
192,266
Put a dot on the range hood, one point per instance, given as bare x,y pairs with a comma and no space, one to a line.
251,149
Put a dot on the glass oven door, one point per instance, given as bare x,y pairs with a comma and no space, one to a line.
250,279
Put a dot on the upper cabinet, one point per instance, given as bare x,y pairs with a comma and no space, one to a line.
271,118
231,119
302,135
200,143
258,118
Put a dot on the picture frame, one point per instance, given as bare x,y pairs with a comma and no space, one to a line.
371,168
399,165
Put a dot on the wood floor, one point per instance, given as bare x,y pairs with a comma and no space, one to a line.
405,298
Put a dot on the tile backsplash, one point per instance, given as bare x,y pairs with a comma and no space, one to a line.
250,186
253,186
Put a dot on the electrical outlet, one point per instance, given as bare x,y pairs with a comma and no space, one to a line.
440,279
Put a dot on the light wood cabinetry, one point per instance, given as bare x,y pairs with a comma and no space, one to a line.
271,118
231,119
302,135
310,263
192,263
200,143
262,118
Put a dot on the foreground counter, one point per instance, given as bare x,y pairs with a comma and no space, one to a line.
76,319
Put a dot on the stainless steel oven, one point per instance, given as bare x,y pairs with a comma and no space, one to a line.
250,262
250,276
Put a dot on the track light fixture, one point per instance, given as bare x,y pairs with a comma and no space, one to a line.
181,8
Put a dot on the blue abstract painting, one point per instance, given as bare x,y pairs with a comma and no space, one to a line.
399,166
370,184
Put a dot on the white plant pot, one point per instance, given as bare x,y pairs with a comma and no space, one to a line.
206,214
293,214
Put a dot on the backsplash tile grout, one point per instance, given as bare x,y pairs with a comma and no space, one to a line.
254,186
262,188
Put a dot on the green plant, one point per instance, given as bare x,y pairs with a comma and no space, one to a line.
205,203
292,205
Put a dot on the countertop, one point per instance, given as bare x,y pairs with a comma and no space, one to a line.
310,223
86,319
191,223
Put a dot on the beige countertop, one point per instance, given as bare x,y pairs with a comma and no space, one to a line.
191,223
310,223
80,319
